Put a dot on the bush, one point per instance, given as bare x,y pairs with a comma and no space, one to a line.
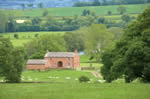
28,28
36,35
84,79
109,12
16,36
39,70
45,13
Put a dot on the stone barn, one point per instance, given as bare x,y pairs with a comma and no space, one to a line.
55,60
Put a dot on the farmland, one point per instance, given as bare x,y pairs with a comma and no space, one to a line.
99,10
24,37
75,91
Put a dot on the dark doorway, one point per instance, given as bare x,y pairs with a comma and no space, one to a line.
60,64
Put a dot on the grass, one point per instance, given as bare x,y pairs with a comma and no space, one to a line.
62,74
25,37
74,91
65,11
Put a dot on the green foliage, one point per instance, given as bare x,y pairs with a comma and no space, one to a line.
11,61
117,31
37,47
96,3
131,53
23,5
109,13
84,12
82,4
126,18
36,20
15,70
40,5
45,13
121,9
30,6
3,21
36,35
28,28
74,41
16,36
92,12
83,79
101,20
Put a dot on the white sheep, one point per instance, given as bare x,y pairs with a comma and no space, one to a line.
67,77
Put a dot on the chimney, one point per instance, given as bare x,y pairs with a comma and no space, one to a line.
76,53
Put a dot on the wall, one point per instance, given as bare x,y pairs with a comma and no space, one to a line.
35,67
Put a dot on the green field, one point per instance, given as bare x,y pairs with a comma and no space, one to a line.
99,10
74,91
24,37
62,74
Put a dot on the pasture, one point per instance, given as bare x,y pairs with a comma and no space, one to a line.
99,10
74,91
24,37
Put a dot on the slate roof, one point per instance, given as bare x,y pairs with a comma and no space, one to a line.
59,54
36,61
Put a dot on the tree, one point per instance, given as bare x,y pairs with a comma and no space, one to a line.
101,20
117,31
130,55
109,12
23,5
92,13
36,20
40,5
37,47
126,18
11,61
121,9
96,38
96,3
84,12
104,2
3,21
88,12
45,13
74,41
11,23
30,6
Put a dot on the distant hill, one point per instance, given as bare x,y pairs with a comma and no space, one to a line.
15,4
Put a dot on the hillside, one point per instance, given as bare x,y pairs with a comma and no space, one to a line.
65,11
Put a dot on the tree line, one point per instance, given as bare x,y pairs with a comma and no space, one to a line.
112,2
64,24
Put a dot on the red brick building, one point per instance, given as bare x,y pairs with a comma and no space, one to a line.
55,60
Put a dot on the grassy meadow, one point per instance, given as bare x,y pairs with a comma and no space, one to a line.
24,37
74,91
99,10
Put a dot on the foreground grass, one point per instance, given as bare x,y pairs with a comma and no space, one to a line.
74,91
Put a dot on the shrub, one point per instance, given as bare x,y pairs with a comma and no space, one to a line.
16,36
45,13
109,12
84,79
101,20
36,35
39,70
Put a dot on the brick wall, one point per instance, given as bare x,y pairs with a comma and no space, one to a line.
35,67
